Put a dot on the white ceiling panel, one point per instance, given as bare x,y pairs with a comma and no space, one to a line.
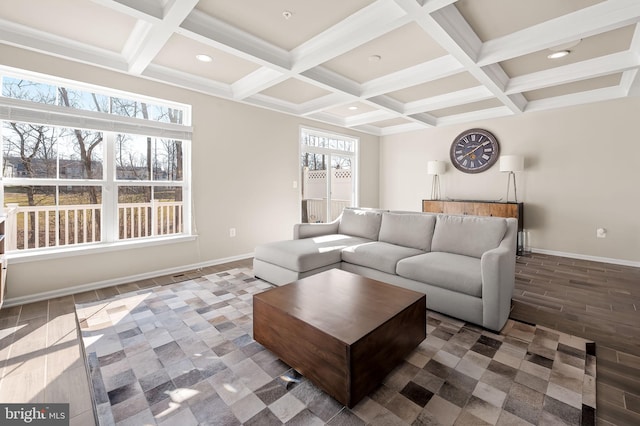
496,18
180,53
405,47
352,109
78,20
265,19
295,91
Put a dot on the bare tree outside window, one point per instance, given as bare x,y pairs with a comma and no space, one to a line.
86,143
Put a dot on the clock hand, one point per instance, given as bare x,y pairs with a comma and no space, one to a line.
475,149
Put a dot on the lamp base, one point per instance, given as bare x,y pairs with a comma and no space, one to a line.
515,191
435,187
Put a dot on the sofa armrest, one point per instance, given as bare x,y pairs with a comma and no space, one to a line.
498,279
309,230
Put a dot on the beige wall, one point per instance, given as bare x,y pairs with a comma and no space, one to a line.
581,173
244,162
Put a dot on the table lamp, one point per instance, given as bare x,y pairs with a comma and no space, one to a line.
435,168
511,164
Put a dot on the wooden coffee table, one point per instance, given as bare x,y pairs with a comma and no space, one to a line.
342,331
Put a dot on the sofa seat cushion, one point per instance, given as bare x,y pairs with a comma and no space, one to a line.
455,272
378,255
308,253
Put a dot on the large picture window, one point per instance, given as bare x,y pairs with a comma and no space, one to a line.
115,170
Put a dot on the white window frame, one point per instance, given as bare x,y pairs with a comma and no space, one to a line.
17,110
329,152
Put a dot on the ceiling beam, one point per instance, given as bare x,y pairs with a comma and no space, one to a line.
631,79
425,118
433,5
144,45
461,97
603,94
402,128
256,82
325,117
368,117
332,81
427,71
630,82
387,102
331,100
604,65
485,114
272,103
177,78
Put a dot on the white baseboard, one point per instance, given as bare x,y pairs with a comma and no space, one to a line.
587,257
21,300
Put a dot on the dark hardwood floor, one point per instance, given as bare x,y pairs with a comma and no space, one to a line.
41,361
597,301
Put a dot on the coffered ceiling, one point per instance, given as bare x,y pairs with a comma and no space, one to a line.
378,66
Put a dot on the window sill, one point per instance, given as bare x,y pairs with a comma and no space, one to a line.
33,256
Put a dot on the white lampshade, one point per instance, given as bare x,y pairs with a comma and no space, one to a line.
511,163
435,167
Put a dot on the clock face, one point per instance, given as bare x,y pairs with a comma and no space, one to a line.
474,151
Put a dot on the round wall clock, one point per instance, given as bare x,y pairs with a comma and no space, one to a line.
474,151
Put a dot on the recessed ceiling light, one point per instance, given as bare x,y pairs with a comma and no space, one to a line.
204,58
287,14
375,58
353,108
562,50
559,54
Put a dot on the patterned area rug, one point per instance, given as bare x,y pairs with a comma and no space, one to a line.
183,354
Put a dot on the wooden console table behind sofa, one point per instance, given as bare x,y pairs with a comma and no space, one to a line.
480,208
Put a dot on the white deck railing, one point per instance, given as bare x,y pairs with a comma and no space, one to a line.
29,227
317,209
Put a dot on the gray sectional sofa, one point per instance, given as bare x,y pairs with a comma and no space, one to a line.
464,264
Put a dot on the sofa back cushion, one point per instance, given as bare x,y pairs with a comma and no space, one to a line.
467,235
360,223
408,230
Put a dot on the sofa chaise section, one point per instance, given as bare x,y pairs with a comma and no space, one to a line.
316,247
282,262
